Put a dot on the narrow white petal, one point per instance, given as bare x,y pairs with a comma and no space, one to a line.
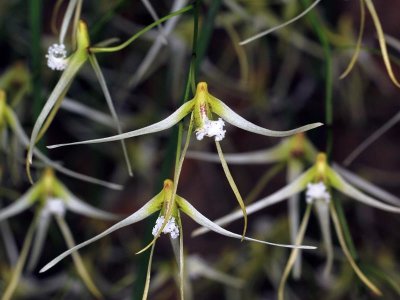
168,122
80,207
325,225
233,118
150,207
253,157
66,20
367,186
38,242
19,132
65,80
155,17
295,187
188,209
294,171
339,183
19,205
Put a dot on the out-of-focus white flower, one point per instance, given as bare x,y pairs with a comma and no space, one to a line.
170,227
317,191
54,206
210,129
57,57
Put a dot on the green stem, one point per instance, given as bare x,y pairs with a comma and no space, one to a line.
141,32
321,34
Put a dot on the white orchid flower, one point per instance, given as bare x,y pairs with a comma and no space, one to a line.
8,119
168,206
202,109
54,199
317,182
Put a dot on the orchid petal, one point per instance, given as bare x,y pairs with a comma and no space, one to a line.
67,19
21,204
38,243
367,186
76,61
324,222
340,184
149,208
188,209
168,122
294,171
19,132
295,187
106,92
78,206
254,157
233,118
148,274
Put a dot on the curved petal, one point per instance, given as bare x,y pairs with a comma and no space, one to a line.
168,122
188,209
367,186
150,207
265,156
233,118
80,207
21,204
295,187
340,184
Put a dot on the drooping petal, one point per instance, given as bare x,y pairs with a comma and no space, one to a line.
295,187
294,171
107,95
233,118
367,186
188,209
149,208
168,122
38,243
21,204
19,132
322,208
340,184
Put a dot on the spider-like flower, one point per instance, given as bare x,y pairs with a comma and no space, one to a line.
53,199
317,181
57,57
169,205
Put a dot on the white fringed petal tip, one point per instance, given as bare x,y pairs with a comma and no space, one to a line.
317,191
57,57
170,227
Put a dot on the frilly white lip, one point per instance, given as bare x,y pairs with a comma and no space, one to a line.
170,228
57,57
211,129
317,191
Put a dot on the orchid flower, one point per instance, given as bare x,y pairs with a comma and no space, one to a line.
57,59
294,153
54,199
317,182
8,118
169,206
202,109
